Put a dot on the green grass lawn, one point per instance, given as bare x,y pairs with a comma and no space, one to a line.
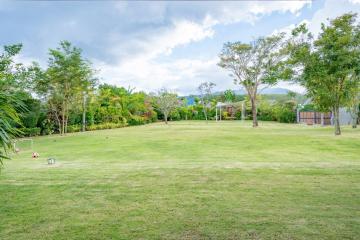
188,180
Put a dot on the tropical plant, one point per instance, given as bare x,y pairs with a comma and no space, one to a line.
9,117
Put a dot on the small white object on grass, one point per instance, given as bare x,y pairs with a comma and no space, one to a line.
51,161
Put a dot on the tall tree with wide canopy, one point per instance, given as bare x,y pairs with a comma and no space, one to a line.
328,66
253,65
68,77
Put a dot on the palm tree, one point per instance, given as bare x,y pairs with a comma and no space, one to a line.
8,118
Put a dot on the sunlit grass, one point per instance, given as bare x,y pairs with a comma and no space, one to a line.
188,180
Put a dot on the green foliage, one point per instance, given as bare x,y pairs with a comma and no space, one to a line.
309,108
47,127
105,126
31,116
73,128
266,111
166,102
329,66
229,95
30,132
136,120
286,113
253,65
13,76
9,117
63,84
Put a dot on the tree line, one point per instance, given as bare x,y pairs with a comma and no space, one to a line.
66,95
327,65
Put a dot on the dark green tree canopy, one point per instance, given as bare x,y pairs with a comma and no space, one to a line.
328,66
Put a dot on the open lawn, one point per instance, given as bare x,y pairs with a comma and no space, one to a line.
188,180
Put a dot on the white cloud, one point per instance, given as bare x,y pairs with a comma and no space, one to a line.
144,71
138,58
354,1
332,9
182,75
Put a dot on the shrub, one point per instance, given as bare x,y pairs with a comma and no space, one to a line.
30,132
238,115
308,108
266,111
105,126
153,117
73,128
225,114
47,127
287,116
175,116
136,120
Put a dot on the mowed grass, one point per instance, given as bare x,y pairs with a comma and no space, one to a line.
188,180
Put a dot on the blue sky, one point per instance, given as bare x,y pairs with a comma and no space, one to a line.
150,45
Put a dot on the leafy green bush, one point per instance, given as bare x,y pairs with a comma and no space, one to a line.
105,126
30,132
73,128
308,108
175,116
266,111
153,116
136,120
286,116
47,127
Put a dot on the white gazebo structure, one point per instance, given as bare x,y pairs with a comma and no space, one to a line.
220,105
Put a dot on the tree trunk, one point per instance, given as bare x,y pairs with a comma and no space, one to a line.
66,122
66,118
63,119
57,119
84,114
337,120
354,115
205,113
165,118
254,111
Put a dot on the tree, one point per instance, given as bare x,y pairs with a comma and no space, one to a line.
354,110
253,65
68,78
118,104
166,102
11,74
205,94
229,95
329,66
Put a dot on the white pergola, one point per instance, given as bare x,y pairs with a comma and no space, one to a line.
220,105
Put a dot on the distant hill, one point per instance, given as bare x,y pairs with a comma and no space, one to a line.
269,91
243,92
266,91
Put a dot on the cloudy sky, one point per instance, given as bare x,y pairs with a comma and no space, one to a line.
150,45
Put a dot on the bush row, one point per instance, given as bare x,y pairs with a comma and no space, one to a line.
30,132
